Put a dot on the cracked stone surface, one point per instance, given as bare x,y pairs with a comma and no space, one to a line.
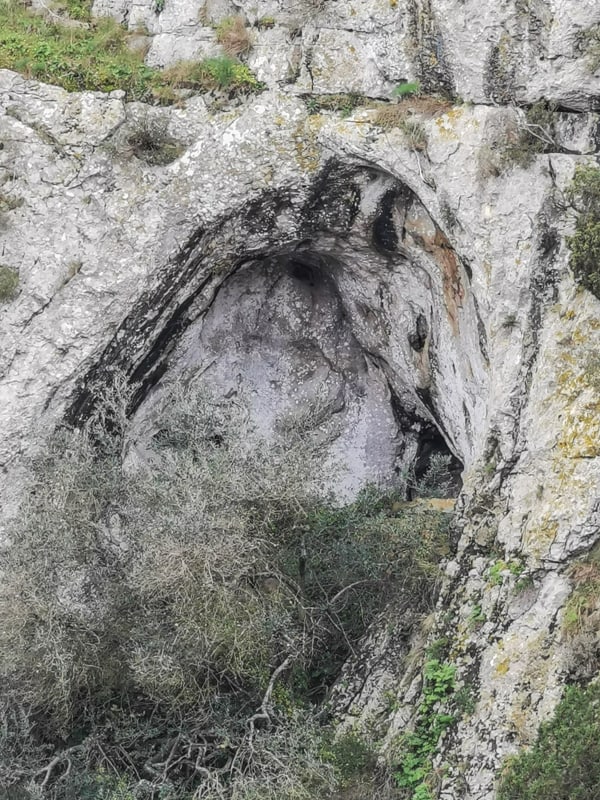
319,262
515,51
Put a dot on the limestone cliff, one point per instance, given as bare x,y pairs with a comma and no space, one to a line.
417,297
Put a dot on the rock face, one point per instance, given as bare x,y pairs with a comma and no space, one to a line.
516,51
408,299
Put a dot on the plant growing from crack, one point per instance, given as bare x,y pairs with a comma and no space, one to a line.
417,748
584,195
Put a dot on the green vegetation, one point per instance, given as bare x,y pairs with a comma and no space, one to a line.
416,749
394,116
74,58
350,755
477,617
565,760
584,194
342,103
9,281
534,135
221,72
520,142
178,625
407,116
264,23
80,10
97,57
407,89
149,141
496,570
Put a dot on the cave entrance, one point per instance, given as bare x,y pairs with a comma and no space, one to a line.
349,308
285,334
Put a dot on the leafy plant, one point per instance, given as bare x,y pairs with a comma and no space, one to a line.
407,89
584,194
416,749
80,10
565,760
496,570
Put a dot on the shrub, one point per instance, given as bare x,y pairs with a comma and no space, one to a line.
584,194
150,142
565,760
533,135
9,280
176,621
234,36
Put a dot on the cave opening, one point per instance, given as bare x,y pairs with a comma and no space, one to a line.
349,316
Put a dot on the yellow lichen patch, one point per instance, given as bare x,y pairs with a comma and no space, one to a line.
580,436
538,538
308,153
502,667
447,122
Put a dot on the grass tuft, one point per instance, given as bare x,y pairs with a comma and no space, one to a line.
234,36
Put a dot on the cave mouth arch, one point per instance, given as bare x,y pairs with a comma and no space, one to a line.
375,325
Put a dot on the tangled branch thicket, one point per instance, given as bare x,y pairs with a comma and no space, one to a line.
170,631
